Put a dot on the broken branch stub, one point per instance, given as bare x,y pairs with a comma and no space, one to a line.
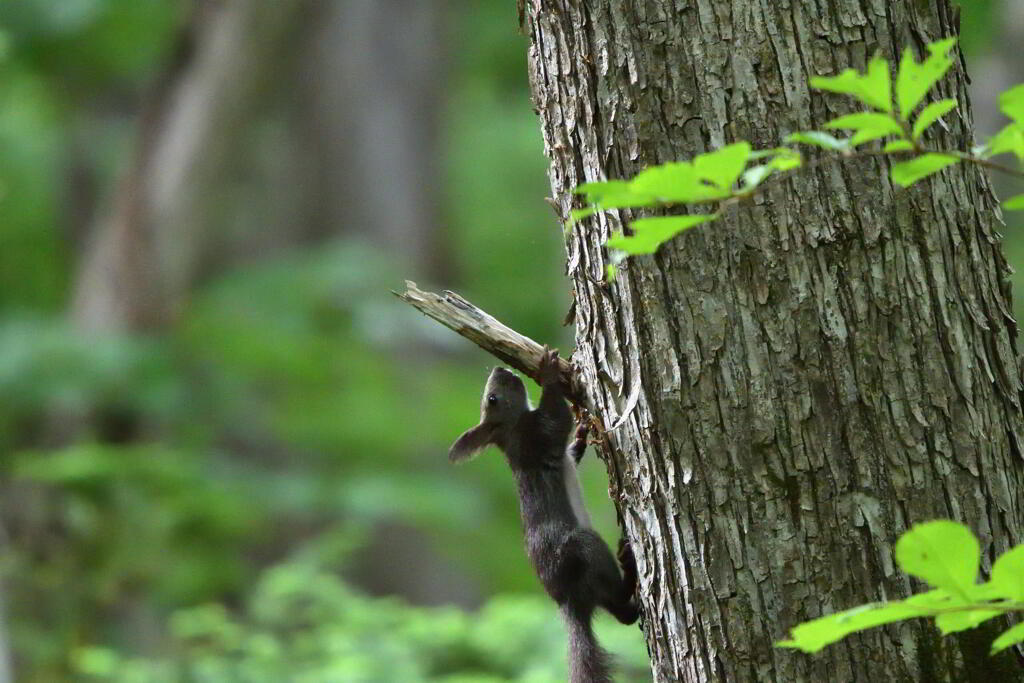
490,334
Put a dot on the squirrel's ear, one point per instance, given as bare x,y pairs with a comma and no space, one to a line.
471,442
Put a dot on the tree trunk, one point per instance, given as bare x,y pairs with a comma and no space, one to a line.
791,387
145,251
369,110
5,648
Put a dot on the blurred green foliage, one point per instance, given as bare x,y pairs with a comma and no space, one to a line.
301,623
225,474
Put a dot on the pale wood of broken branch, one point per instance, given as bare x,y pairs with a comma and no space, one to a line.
490,334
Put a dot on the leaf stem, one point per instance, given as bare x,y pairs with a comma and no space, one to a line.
962,156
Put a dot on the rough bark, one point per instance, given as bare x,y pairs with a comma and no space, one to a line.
801,381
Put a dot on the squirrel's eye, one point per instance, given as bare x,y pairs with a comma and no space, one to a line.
491,399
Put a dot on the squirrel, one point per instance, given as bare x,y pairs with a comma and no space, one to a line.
573,562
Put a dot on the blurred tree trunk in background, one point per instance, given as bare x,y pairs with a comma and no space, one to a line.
368,119
143,252
796,384
999,69
5,645
358,86
279,124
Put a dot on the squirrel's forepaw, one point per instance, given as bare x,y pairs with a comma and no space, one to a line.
549,370
628,563
582,432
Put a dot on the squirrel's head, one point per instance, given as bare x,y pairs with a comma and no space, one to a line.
503,403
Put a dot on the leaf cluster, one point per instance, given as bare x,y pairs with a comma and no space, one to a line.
946,556
720,177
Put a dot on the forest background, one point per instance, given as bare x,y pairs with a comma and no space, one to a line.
239,473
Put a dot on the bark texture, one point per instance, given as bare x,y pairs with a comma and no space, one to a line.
789,388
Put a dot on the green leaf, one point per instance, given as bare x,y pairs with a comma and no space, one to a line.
869,126
1009,139
939,602
1011,102
915,80
819,139
602,187
928,601
676,182
906,173
954,622
873,88
755,175
650,233
782,159
930,114
1009,637
1008,569
614,194
898,146
786,159
759,154
812,636
577,215
723,166
943,553
1015,204
878,85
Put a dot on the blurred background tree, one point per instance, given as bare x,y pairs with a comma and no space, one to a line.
222,444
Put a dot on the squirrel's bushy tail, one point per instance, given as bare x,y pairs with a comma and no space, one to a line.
588,663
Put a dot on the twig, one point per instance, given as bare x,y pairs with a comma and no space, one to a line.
490,334
981,162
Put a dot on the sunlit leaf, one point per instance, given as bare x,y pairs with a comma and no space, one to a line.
614,194
906,173
779,159
937,598
943,553
869,126
1011,102
759,154
954,622
873,88
1015,204
676,182
819,139
878,85
577,215
755,175
913,81
600,188
723,166
812,636
1008,570
1009,637
1009,139
786,160
898,146
930,114
650,233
